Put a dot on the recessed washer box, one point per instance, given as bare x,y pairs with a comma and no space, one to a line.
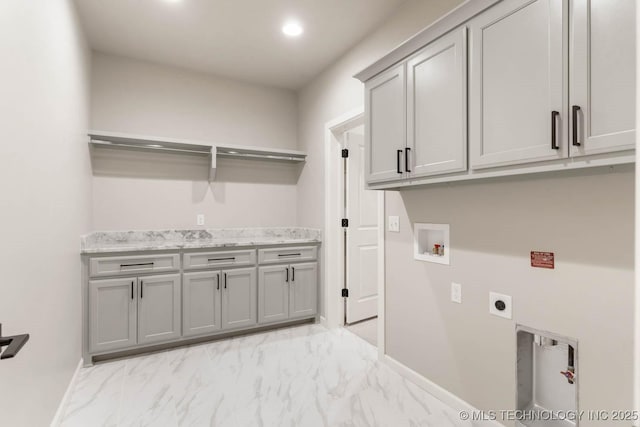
425,237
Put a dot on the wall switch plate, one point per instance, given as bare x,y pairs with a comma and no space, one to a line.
394,224
500,305
456,292
200,219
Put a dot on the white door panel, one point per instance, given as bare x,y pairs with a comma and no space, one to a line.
362,235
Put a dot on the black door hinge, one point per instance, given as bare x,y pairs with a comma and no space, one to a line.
345,153
345,222
345,293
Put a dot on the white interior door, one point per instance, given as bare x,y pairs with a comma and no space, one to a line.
362,210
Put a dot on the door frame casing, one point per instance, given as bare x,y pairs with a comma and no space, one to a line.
333,246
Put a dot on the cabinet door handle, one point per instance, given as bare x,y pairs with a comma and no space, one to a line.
293,274
225,280
406,159
574,112
398,153
141,288
287,279
554,130
218,280
132,289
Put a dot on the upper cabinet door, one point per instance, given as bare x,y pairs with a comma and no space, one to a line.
385,125
518,107
437,107
603,75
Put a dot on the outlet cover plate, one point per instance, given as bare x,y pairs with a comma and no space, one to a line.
394,224
494,297
456,292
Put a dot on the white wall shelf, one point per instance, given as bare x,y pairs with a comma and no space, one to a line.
122,141
425,236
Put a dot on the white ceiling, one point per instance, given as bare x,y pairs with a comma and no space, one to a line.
241,39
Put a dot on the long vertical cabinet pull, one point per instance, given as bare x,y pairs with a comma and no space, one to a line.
574,112
218,280
225,280
406,159
132,289
287,279
293,274
554,130
141,288
398,153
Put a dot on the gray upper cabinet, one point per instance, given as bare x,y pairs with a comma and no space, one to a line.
385,125
112,314
239,295
273,293
201,303
303,294
437,107
159,308
603,73
517,103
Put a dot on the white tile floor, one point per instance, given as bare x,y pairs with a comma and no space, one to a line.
304,376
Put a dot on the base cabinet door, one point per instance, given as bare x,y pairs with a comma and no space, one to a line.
603,76
517,102
273,293
159,308
239,298
112,314
303,290
201,303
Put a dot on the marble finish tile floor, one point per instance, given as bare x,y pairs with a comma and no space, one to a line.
304,376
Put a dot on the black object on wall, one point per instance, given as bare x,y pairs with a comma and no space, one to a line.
13,344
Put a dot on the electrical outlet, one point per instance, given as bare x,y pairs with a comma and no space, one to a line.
500,305
394,224
200,219
456,292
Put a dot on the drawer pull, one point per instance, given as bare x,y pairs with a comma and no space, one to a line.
150,264
222,259
298,254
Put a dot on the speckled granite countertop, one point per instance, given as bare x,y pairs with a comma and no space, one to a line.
130,241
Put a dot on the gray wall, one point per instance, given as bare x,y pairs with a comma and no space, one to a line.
494,226
45,205
139,191
587,219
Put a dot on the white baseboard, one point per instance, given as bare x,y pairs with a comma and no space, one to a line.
434,389
57,418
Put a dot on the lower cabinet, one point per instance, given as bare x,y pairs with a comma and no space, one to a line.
216,300
113,313
128,311
287,292
159,308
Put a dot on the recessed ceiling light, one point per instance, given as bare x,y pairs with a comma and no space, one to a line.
292,29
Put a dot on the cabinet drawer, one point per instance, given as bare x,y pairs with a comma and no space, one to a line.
219,259
284,255
110,266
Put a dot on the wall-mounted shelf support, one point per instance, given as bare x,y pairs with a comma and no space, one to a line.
13,344
112,140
